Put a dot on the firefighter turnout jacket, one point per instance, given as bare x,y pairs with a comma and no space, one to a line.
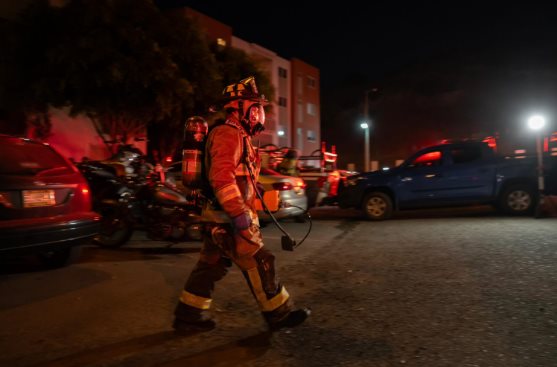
228,153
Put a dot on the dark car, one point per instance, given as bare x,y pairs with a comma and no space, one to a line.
45,203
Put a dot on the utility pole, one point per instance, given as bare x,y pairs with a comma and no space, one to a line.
537,123
368,122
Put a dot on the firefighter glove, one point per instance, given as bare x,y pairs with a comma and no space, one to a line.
242,221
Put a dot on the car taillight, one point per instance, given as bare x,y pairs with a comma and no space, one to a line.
82,197
282,186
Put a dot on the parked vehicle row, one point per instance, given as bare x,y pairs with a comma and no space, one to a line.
50,206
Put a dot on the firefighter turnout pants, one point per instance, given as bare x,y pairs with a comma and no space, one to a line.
221,247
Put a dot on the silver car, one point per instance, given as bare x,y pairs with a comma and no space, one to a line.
284,195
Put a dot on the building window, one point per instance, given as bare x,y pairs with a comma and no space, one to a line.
221,42
311,82
300,84
300,111
283,73
311,109
311,135
282,101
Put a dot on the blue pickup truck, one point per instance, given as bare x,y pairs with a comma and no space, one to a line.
456,174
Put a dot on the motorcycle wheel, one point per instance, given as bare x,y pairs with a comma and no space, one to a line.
115,231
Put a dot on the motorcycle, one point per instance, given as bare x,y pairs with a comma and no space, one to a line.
139,200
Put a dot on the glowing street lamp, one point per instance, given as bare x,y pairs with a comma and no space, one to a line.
537,123
365,126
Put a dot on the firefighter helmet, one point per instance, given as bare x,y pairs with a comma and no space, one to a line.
245,89
245,98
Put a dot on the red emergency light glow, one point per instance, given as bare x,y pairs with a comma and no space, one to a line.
330,157
491,142
431,156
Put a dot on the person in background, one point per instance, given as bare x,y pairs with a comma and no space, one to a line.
289,164
232,233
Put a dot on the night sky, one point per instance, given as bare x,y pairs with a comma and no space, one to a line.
379,38
497,61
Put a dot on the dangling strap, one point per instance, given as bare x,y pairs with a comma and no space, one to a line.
247,161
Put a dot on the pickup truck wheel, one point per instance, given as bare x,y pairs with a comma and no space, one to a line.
377,206
517,200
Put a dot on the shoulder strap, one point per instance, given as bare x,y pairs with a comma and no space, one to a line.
237,125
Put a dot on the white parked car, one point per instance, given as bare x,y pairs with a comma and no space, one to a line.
285,196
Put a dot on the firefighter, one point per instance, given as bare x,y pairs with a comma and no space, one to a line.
232,231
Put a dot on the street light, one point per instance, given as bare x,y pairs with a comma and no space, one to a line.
537,124
365,126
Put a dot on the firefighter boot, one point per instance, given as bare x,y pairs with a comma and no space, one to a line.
285,317
190,319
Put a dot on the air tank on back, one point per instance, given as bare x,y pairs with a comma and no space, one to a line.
193,146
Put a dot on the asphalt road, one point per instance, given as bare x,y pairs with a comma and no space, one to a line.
433,288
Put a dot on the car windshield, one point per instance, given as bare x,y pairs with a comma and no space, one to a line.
28,158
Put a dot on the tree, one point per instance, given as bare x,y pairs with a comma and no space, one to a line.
235,65
121,62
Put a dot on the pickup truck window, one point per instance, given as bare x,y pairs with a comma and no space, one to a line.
428,159
466,154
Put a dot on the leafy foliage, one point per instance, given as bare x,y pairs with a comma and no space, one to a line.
124,63
235,65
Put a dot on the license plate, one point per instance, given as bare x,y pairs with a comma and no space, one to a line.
34,198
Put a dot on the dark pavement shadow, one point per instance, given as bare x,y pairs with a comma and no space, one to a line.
93,254
235,353
111,352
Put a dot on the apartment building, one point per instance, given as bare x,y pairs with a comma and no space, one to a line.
293,119
306,118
